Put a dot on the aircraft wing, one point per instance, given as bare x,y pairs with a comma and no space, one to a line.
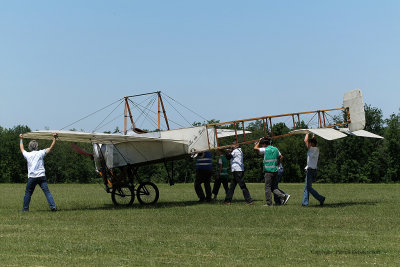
361,133
96,138
332,134
326,133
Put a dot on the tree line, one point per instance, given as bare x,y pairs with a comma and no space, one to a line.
347,160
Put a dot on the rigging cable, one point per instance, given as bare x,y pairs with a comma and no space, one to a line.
146,108
91,114
139,105
311,119
178,112
106,117
112,120
186,107
141,108
155,113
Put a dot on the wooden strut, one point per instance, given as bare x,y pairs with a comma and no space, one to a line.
216,136
265,128
130,116
294,123
163,109
159,113
319,119
323,115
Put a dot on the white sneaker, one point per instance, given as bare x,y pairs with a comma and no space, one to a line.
286,200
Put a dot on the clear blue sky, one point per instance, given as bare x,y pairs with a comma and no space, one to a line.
61,60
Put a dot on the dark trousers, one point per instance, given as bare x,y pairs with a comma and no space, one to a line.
277,200
271,186
203,176
238,178
217,185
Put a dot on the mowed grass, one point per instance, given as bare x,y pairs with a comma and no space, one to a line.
358,226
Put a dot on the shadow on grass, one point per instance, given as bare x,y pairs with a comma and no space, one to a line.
347,204
349,251
159,205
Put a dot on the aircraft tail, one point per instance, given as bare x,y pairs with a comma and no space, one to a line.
353,100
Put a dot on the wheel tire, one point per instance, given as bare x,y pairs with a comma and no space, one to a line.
123,196
147,193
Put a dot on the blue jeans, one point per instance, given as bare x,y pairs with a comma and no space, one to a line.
310,176
30,187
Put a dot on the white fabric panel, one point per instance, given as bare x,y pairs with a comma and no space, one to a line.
354,101
326,133
361,133
97,138
140,152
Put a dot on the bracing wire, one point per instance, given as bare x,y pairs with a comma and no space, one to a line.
90,114
141,108
138,106
311,119
106,117
147,108
145,112
178,112
107,123
186,107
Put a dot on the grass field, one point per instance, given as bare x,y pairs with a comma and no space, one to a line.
358,226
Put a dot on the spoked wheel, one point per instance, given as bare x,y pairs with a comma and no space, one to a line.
147,193
123,196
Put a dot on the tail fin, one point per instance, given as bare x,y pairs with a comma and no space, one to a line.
353,100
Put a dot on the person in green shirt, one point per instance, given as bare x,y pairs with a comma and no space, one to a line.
272,159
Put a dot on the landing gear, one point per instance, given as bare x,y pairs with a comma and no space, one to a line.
147,193
123,195
120,183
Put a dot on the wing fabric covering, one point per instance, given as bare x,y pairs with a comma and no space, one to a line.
353,100
94,138
361,133
326,133
120,150
333,134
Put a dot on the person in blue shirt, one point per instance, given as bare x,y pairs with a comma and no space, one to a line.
204,170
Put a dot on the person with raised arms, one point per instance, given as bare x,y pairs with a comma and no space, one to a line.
36,171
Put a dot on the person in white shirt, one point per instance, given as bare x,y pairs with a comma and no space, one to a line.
36,171
237,168
311,171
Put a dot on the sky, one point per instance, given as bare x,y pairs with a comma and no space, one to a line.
224,60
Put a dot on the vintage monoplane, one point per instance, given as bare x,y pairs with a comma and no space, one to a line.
134,147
